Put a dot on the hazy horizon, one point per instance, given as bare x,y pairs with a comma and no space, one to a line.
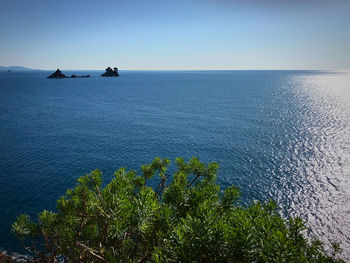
155,69
151,69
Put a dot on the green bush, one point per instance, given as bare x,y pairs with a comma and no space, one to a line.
187,218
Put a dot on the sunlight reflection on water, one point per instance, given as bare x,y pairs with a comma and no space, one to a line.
316,183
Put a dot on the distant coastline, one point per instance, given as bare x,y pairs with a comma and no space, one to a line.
17,68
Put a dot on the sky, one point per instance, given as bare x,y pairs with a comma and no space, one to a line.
176,35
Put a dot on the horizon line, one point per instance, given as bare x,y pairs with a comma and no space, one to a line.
128,69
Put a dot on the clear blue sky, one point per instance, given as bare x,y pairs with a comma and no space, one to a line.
162,34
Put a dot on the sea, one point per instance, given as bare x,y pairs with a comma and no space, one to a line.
282,135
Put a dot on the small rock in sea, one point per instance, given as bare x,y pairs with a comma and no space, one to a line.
57,75
111,72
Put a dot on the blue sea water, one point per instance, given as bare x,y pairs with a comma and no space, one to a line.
276,134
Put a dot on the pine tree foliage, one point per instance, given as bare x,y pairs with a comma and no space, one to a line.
186,218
